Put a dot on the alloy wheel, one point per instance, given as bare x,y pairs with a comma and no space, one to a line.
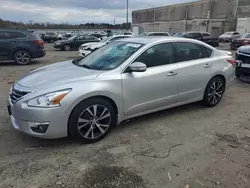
22,57
67,47
94,121
215,92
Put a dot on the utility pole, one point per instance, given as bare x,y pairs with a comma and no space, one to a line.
127,15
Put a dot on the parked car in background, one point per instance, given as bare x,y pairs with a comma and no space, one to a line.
154,34
201,36
59,37
128,33
238,42
49,37
86,49
85,98
243,63
98,35
69,34
20,45
229,36
109,33
74,42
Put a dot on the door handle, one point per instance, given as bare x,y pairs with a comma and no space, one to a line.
172,73
207,65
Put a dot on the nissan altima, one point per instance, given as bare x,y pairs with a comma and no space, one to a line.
86,98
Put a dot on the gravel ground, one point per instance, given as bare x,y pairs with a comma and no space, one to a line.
188,145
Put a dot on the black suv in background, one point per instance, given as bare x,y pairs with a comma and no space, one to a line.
49,37
20,45
202,36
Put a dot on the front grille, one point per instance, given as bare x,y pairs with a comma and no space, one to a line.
243,58
15,95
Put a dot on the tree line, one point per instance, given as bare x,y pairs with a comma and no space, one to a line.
47,25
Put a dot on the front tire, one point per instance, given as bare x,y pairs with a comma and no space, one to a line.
22,57
67,47
92,119
214,91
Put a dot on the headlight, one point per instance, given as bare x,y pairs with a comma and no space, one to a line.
48,100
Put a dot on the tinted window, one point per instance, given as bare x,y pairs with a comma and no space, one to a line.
205,34
235,33
90,37
81,37
4,35
161,54
17,35
186,51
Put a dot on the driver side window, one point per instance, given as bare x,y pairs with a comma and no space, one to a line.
158,55
81,37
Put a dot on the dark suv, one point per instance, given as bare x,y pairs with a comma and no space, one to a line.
20,45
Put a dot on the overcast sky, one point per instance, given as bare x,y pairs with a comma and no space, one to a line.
74,11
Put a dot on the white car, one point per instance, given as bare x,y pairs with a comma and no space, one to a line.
87,48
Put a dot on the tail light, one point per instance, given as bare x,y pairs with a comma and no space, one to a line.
39,42
232,61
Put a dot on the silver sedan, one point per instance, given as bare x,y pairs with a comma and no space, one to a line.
85,98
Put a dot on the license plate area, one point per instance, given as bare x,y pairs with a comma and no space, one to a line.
245,65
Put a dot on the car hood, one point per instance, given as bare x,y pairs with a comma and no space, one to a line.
225,36
90,43
57,74
244,49
239,40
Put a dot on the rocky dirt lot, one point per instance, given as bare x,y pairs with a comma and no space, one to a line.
189,145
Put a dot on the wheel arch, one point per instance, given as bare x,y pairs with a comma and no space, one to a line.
17,49
216,75
110,100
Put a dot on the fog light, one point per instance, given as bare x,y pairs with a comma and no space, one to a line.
39,127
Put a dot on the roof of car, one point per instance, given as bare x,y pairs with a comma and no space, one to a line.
149,39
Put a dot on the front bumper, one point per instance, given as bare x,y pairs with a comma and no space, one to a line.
58,46
83,53
24,117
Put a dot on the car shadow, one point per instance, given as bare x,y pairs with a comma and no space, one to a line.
161,114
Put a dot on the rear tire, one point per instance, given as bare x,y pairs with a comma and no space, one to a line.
214,91
91,120
22,57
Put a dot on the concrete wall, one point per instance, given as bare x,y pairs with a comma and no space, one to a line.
192,16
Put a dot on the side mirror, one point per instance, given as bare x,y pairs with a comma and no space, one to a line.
137,67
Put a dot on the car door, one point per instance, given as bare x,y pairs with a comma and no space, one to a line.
79,40
156,87
6,43
195,69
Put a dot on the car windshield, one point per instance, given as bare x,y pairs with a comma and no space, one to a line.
179,34
246,35
111,56
72,38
